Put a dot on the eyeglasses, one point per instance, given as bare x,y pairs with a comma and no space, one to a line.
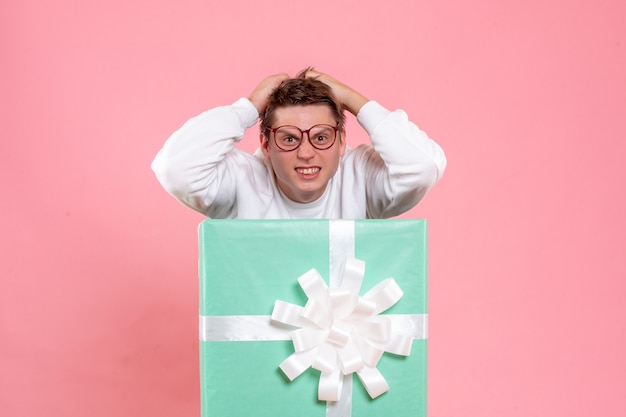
289,138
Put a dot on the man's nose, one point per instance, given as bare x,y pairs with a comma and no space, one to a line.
306,150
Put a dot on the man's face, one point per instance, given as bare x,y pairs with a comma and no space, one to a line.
302,174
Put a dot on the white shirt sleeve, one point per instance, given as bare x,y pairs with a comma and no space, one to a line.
191,166
411,162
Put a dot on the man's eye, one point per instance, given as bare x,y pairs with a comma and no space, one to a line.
321,138
288,140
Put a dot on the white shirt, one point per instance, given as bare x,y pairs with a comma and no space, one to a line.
200,166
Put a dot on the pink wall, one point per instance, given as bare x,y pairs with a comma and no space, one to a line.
98,290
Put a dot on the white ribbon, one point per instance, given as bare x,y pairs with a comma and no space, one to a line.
340,333
261,328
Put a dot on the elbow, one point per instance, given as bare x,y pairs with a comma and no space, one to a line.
166,174
429,176
439,165
412,187
424,177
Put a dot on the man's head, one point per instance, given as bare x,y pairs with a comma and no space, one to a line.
301,91
303,168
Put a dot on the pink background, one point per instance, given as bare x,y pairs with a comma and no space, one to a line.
98,295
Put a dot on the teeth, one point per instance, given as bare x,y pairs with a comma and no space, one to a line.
308,171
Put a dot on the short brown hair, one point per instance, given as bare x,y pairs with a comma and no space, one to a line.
302,91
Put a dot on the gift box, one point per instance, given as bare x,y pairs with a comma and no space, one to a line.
247,265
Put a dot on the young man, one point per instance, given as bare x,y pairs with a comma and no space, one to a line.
304,168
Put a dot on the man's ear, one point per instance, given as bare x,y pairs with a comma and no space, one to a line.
342,141
265,145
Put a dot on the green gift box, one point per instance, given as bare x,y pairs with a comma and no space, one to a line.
246,265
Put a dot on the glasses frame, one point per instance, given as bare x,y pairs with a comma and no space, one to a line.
274,129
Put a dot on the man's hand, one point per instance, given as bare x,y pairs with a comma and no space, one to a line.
259,97
351,99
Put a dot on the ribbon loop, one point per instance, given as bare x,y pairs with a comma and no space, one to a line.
287,313
313,285
297,363
373,381
339,333
316,313
377,328
326,358
385,294
352,275
306,338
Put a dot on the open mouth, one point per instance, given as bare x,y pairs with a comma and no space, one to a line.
308,171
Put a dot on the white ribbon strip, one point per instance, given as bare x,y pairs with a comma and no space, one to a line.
260,328
341,247
241,329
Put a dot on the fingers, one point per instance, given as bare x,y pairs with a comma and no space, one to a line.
311,73
351,99
260,95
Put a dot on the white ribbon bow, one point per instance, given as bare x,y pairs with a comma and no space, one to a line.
341,332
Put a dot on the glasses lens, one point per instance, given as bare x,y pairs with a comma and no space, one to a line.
322,136
288,137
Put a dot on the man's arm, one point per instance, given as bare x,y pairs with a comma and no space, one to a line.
405,162
192,166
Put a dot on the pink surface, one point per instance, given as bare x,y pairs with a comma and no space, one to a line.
98,290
